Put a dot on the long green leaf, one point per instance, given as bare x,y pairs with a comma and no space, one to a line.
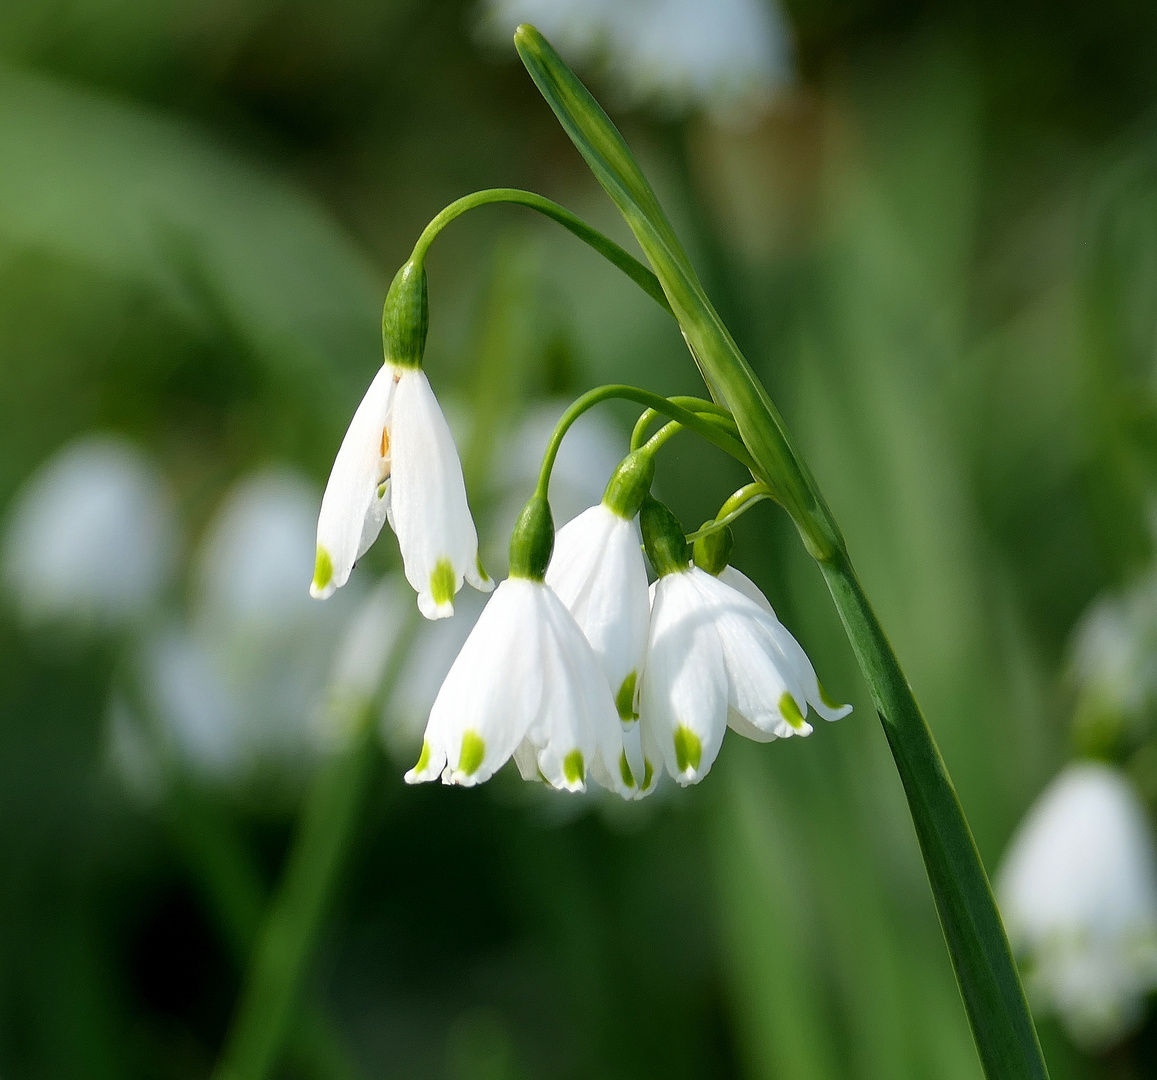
986,973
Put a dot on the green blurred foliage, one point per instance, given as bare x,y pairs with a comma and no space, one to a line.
940,252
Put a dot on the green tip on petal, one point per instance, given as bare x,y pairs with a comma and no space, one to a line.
481,569
442,583
648,774
625,770
789,710
322,570
472,752
423,758
827,699
573,767
688,749
625,698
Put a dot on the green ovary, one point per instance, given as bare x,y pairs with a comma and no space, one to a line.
688,749
442,582
789,710
472,752
573,767
322,569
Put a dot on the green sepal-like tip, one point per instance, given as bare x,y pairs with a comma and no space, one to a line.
532,541
712,551
663,538
630,484
406,316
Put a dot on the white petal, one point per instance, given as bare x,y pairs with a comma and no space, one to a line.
762,688
684,698
352,487
428,507
598,572
742,583
492,693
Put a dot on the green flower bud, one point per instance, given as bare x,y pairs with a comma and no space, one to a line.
713,551
406,317
630,484
663,538
532,540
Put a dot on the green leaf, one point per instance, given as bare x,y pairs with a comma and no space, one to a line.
987,976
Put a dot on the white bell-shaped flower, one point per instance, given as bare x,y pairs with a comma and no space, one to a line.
716,658
398,462
598,572
1078,891
527,685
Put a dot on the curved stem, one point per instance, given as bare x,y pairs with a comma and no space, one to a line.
699,424
735,507
696,405
604,245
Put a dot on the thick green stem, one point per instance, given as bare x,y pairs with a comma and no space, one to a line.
972,926
604,245
271,994
734,508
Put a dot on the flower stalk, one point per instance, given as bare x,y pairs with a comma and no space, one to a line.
987,976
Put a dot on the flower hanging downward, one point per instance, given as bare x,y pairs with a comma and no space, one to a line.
715,658
398,462
598,572
526,684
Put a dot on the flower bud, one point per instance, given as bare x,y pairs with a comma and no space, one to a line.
713,550
406,317
532,541
630,484
663,538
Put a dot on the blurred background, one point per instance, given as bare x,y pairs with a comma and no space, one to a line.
931,227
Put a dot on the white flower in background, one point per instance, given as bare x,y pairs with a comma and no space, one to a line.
1078,891
364,655
1115,650
597,571
398,461
526,684
90,538
730,56
716,658
243,682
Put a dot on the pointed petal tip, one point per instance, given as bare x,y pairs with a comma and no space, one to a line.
322,592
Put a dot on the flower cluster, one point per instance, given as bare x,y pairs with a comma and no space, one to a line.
577,668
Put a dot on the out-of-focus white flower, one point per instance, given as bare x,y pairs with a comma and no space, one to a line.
364,655
243,683
730,56
398,461
90,538
1115,650
1078,891
526,684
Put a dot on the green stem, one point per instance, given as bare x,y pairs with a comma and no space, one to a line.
272,991
735,507
701,425
696,405
989,983
604,245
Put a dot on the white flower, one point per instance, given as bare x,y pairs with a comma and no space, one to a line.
1078,891
728,55
90,537
598,572
716,658
526,684
398,461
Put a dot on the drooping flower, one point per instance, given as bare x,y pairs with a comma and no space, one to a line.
598,572
90,538
1078,891
527,685
715,658
398,462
